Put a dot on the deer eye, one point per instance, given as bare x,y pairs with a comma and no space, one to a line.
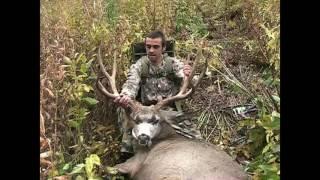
154,121
138,120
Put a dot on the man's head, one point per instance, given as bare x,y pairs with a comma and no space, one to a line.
155,45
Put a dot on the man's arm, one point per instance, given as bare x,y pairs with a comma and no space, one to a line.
132,85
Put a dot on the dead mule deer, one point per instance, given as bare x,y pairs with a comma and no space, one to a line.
161,152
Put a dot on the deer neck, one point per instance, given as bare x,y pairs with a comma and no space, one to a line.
166,132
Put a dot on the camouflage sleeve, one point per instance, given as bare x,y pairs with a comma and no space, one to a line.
132,85
178,68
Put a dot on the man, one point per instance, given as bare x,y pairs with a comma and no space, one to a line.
157,76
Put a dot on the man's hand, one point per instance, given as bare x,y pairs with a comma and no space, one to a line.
122,100
186,70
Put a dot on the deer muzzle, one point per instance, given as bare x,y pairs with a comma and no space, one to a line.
143,139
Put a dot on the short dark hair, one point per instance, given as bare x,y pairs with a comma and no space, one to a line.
158,34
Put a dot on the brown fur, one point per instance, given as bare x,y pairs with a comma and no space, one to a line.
172,156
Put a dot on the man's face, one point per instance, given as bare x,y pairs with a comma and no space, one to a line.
154,49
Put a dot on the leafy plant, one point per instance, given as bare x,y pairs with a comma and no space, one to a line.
267,164
188,19
87,169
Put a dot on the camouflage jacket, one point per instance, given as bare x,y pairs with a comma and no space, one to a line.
156,82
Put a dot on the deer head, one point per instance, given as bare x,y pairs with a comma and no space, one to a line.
148,121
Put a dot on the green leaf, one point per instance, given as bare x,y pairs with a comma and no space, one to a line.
89,63
247,122
81,58
73,123
276,148
95,178
90,101
268,168
270,122
80,178
86,87
81,138
66,167
83,68
270,171
273,176
272,160
67,60
219,46
266,148
111,170
275,114
92,160
78,169
53,172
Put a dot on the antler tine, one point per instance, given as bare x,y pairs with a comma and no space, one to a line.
132,104
202,74
186,81
114,69
111,78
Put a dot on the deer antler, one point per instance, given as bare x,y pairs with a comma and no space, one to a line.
112,81
186,81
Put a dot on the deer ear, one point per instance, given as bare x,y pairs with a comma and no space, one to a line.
153,117
130,124
169,116
128,119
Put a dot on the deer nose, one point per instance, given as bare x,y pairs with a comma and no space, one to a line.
143,139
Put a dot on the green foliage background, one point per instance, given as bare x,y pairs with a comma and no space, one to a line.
79,135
